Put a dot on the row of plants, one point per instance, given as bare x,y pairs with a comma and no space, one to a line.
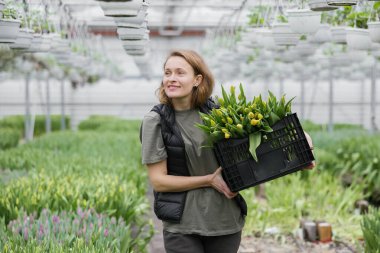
69,176
12,128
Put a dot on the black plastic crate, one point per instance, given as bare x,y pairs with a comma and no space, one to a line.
281,152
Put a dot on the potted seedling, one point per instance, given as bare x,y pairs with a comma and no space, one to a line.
338,31
123,9
357,34
374,25
304,48
304,20
9,24
282,33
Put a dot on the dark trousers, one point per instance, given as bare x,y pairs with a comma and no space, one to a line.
191,243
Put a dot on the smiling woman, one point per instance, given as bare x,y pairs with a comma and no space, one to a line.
186,178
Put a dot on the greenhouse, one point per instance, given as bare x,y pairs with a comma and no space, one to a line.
190,126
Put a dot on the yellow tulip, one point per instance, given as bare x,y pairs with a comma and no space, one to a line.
254,122
239,126
227,135
251,115
230,120
259,116
212,123
224,130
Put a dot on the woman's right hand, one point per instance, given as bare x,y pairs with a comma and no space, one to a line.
218,183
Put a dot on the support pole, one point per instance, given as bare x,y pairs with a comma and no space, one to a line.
362,101
373,127
48,114
27,120
63,121
331,98
302,97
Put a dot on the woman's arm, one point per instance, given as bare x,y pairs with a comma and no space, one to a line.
162,182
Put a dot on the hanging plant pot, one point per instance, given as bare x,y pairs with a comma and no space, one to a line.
135,51
45,43
304,21
321,5
132,33
265,39
283,35
323,35
358,39
342,2
135,44
24,39
133,22
305,49
123,9
374,31
340,59
36,43
9,30
338,34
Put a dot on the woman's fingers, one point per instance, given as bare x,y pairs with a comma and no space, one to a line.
220,185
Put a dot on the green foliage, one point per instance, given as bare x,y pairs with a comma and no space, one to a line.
9,138
371,231
16,122
86,170
307,194
109,123
65,228
256,17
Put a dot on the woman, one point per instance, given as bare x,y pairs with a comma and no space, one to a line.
199,212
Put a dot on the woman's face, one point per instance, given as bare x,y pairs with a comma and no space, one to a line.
179,78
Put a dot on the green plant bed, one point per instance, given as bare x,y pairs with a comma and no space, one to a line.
316,195
16,122
371,231
109,123
55,232
9,138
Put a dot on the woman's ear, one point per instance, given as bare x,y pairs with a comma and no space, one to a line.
198,79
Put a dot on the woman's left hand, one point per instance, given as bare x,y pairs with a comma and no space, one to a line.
310,142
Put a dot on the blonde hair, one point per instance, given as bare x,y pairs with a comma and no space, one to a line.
204,90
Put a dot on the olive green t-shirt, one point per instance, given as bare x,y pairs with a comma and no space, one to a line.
207,212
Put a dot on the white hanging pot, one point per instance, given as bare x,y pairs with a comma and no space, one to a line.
304,48
36,43
321,5
374,31
338,34
24,39
134,22
323,35
9,30
358,38
340,59
46,41
265,39
132,33
123,9
342,2
283,35
135,44
135,52
304,21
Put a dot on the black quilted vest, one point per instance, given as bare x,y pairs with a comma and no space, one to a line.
168,206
